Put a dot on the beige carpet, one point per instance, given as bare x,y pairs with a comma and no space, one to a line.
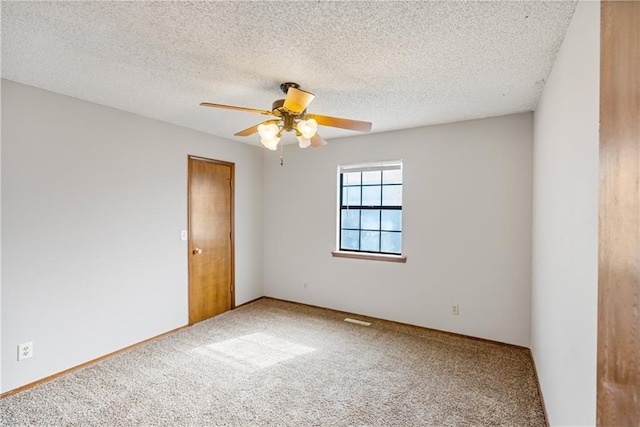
277,363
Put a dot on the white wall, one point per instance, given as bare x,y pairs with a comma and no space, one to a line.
93,201
467,228
565,235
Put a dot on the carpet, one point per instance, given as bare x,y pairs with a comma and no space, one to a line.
272,362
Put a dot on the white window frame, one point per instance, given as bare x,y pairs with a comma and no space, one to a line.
363,167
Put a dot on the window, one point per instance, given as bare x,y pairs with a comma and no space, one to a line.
370,217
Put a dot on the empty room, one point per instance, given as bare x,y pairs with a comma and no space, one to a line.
339,213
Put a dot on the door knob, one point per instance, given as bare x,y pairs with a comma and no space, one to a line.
197,251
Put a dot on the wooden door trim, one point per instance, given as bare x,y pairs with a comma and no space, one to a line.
232,167
618,367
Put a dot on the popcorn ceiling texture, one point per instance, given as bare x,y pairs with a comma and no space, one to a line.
273,363
397,64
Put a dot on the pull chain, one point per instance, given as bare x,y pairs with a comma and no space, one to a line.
281,154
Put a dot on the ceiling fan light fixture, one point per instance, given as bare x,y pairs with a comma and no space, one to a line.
307,128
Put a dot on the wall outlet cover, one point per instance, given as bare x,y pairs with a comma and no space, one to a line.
25,350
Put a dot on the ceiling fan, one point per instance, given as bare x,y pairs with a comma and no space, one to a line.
291,115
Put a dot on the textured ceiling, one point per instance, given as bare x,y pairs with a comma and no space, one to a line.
397,64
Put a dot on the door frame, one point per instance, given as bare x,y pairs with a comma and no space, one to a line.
232,166
618,370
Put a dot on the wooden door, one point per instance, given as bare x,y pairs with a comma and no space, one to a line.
211,263
619,223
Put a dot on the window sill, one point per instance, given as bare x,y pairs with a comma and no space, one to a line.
370,257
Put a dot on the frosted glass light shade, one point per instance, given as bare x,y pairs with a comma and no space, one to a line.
268,131
269,134
271,144
307,128
303,142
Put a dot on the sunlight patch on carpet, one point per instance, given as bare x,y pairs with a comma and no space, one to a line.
254,351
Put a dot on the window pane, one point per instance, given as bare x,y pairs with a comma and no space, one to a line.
391,220
371,177
371,208
350,239
351,196
391,242
371,196
351,178
370,241
392,195
370,220
392,177
350,218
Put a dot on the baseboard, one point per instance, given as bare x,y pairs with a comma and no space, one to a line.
248,302
454,334
90,362
535,372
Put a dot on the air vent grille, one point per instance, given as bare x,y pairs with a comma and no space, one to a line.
357,322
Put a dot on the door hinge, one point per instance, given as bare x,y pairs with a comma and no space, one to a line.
229,235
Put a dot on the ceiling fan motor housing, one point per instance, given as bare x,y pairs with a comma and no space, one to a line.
288,119
286,85
277,104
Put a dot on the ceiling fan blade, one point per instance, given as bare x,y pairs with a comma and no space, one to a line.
253,129
297,100
338,122
232,107
318,141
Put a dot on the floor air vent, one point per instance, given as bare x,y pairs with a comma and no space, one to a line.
357,322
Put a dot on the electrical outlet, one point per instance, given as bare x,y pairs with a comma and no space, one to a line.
455,309
25,350
306,286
